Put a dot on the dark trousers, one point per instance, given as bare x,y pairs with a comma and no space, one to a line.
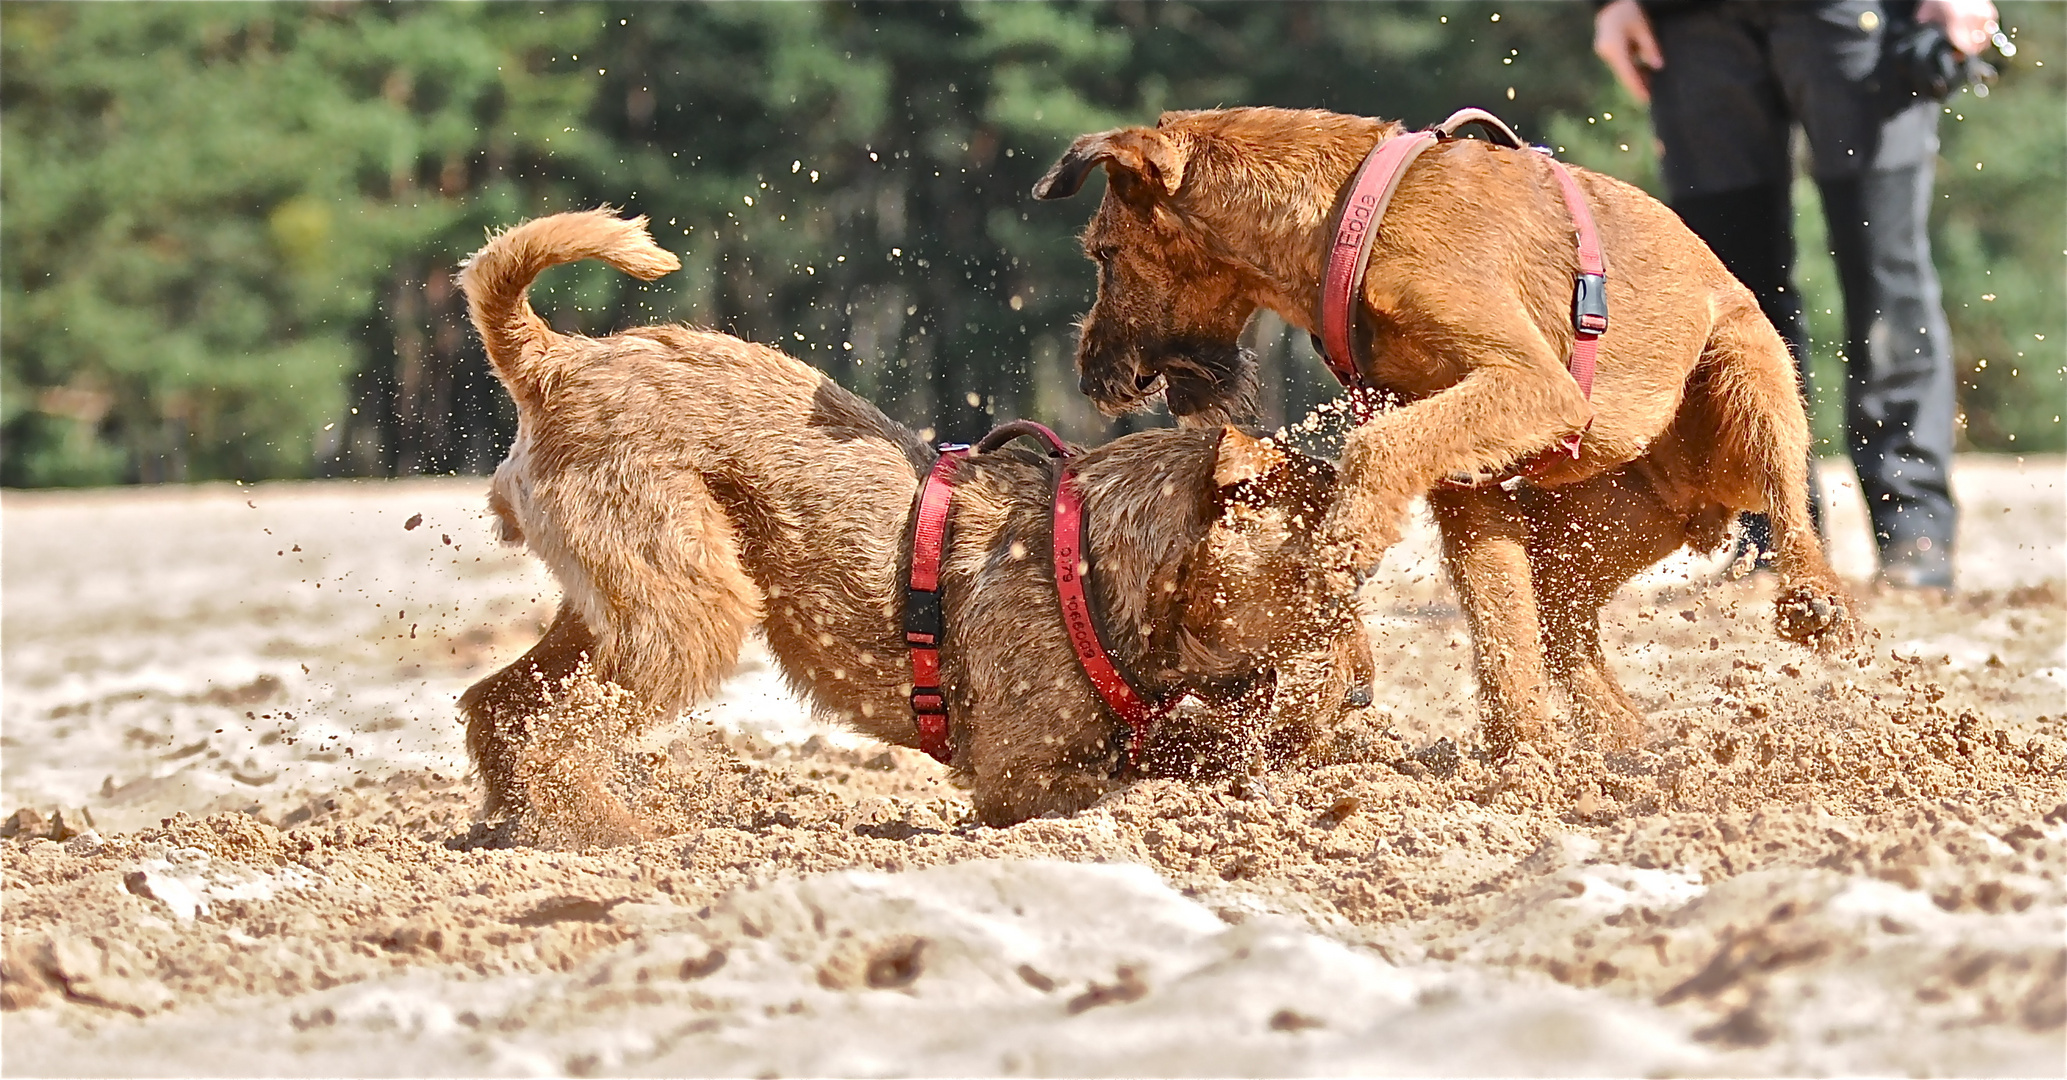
1738,75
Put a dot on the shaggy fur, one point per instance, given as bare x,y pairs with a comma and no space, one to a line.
1466,314
684,485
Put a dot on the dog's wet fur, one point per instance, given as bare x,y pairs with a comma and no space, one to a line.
1466,314
684,485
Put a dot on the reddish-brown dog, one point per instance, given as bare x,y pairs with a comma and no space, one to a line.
1467,317
684,485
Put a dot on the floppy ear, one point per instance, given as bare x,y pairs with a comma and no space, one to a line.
1240,459
1150,155
1258,473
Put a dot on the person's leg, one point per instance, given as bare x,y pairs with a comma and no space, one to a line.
1722,118
1899,398
1874,155
1752,231
1717,107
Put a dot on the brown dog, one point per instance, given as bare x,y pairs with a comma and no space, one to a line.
683,485
1466,314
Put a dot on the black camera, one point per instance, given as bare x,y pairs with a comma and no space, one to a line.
1920,61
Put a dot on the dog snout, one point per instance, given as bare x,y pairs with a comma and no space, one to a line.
1116,387
1359,696
1116,382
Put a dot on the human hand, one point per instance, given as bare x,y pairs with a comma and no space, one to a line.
1622,38
1969,24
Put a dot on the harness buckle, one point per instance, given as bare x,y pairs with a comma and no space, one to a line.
928,701
922,619
1590,304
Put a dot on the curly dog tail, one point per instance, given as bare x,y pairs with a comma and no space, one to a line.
496,278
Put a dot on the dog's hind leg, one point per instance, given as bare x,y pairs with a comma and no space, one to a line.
1591,538
1763,439
1485,546
566,766
499,709
662,583
657,606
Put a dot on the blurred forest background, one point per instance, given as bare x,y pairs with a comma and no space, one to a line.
229,231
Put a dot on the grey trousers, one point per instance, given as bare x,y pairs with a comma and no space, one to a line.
1738,75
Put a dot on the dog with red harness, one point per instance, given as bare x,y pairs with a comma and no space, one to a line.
1461,288
1026,616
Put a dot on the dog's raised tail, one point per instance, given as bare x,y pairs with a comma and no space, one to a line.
496,277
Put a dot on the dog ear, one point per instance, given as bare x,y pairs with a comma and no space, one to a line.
1151,156
1240,459
1259,473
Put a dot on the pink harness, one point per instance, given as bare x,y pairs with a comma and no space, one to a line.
1363,207
925,623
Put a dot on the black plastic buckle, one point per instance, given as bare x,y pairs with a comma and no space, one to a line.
928,701
1590,304
922,619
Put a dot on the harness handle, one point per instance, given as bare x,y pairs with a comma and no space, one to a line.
1493,126
1024,429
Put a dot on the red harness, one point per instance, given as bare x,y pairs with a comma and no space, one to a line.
925,624
1363,207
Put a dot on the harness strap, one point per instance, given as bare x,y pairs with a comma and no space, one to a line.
1590,290
925,623
1363,207
1355,228
1072,576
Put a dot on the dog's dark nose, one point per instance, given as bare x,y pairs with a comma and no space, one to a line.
1087,386
1358,697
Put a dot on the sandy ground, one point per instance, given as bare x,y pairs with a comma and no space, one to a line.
243,843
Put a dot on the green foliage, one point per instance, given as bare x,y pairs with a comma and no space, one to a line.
2000,230
202,201
229,230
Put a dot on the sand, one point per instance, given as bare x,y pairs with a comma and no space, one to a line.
242,839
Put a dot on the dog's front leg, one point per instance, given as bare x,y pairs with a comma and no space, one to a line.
1314,690
1485,547
1032,762
1500,413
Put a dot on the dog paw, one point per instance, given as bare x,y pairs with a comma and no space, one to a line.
1818,619
1356,556
1618,734
1475,479
599,828
1507,736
